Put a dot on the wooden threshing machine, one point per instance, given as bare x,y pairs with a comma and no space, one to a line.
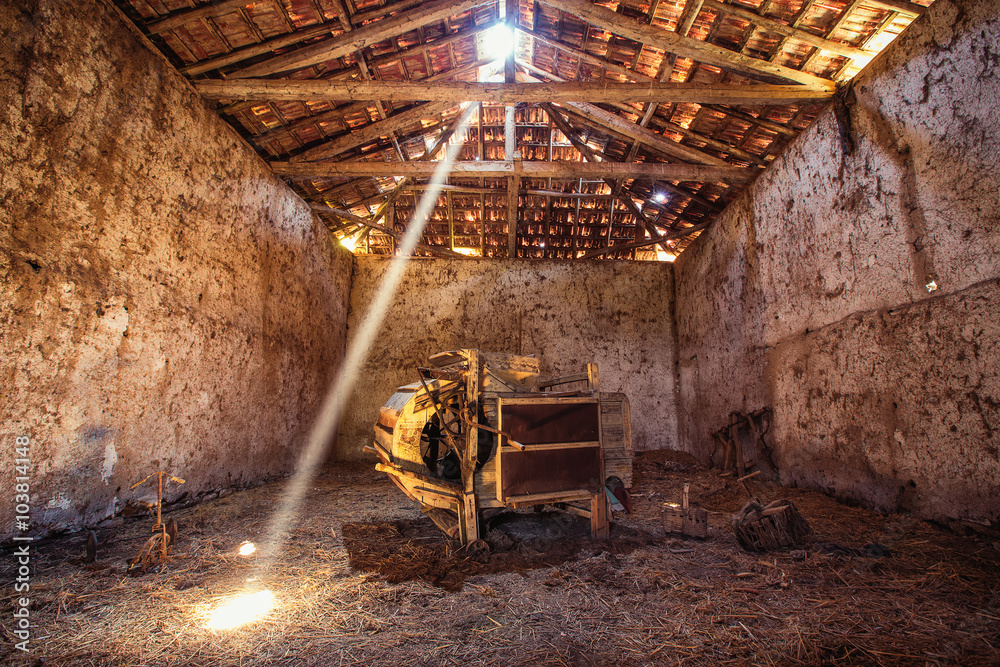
481,431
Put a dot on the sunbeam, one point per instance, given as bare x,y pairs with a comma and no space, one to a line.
357,353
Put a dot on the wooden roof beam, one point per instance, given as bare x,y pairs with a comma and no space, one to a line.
277,90
372,132
616,186
254,50
495,169
596,61
206,11
310,32
721,146
376,31
599,117
686,47
645,242
374,226
638,133
786,30
911,9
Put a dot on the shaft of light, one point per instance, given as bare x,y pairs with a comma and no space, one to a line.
240,610
357,351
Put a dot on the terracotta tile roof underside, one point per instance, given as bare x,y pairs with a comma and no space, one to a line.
613,130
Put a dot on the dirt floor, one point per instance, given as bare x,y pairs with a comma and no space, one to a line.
364,578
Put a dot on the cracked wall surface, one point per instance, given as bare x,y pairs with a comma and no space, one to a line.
615,314
168,302
808,294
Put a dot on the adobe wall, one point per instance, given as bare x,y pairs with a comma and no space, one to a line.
615,314
168,302
808,294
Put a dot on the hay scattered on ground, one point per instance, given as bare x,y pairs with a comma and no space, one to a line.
365,578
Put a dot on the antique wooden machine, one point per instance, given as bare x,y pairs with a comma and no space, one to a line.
480,431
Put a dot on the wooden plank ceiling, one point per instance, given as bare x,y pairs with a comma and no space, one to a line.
609,130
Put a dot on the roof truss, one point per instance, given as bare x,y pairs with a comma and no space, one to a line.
611,130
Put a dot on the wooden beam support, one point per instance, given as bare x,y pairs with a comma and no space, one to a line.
206,11
645,242
587,57
902,6
755,120
372,132
468,515
645,136
687,47
694,136
344,215
498,169
616,186
376,31
786,30
303,34
688,16
513,185
509,93
509,133
254,50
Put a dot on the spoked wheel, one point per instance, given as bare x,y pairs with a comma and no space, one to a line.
477,550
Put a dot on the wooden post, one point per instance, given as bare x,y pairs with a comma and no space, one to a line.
734,436
599,516
468,520
513,185
593,379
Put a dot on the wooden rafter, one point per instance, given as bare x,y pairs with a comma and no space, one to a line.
780,28
622,247
347,43
349,105
372,132
344,215
641,220
685,46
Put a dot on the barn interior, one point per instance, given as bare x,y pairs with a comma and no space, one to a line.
233,229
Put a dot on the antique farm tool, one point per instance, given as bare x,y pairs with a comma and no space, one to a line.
755,425
162,541
480,431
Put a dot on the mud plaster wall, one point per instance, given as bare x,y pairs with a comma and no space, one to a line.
617,315
167,302
808,294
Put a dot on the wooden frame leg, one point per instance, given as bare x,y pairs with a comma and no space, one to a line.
599,516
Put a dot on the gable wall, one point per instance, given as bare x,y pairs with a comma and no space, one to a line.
615,314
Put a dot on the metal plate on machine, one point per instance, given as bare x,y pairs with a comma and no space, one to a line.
563,454
540,422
